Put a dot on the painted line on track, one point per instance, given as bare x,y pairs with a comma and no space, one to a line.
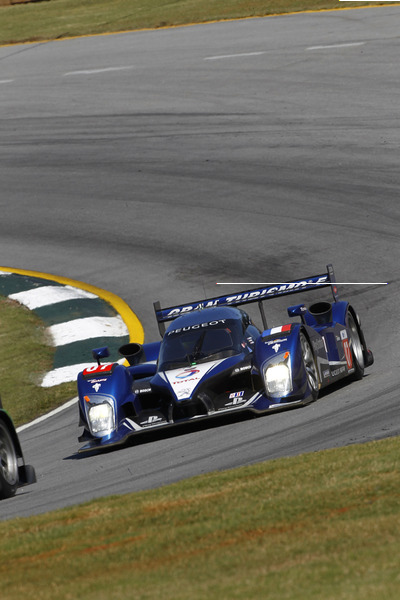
329,46
48,415
97,71
243,54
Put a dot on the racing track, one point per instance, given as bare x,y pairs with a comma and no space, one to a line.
154,164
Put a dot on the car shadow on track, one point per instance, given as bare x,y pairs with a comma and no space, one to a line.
177,430
214,422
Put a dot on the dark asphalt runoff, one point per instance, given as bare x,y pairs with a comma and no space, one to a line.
155,164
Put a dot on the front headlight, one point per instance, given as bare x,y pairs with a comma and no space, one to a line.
100,415
277,377
101,418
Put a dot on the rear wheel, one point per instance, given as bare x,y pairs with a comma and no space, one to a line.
309,366
8,464
355,346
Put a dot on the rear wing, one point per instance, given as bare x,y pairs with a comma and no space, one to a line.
271,290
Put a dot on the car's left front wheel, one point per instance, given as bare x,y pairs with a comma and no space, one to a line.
8,464
310,366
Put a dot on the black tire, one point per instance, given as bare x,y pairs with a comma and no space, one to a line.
356,347
8,464
310,366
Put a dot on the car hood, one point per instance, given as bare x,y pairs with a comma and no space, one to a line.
184,381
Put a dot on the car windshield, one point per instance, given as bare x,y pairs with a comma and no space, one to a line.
200,343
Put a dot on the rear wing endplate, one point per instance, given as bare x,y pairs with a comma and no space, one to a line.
271,290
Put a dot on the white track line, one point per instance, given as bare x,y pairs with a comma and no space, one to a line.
96,71
222,56
328,47
48,415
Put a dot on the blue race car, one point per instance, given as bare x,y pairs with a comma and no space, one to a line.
13,470
213,360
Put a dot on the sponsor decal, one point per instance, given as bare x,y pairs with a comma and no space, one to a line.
347,353
142,390
189,372
235,401
274,290
184,309
197,326
338,371
318,344
236,394
241,369
266,292
275,341
183,393
188,378
94,369
152,420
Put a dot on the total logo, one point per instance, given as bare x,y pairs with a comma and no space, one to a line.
189,372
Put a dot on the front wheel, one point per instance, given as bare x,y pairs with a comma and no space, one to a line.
310,366
8,464
355,347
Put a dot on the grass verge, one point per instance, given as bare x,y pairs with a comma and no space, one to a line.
55,19
320,526
24,358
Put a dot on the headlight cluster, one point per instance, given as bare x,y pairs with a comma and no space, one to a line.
277,376
100,415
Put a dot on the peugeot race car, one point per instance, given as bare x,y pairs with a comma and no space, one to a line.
13,470
213,360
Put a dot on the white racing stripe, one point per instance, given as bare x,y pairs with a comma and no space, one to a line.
49,294
83,329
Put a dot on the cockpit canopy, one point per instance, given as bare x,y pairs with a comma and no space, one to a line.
188,342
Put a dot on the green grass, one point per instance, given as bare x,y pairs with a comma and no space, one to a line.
320,526
24,358
54,19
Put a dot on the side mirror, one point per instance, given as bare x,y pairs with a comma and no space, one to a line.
99,353
297,311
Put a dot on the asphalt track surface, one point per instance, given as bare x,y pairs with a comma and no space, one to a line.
155,164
